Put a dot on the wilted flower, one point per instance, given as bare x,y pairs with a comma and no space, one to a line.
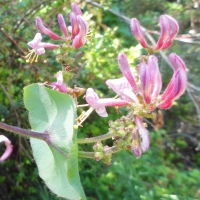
169,29
59,85
9,147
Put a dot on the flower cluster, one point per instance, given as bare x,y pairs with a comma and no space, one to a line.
78,30
143,96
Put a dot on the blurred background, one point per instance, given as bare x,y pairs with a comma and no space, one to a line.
170,168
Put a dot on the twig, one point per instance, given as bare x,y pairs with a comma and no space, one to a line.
95,139
24,132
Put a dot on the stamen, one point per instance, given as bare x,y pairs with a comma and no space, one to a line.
32,54
84,115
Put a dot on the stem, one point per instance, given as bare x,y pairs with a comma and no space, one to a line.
85,154
24,132
95,139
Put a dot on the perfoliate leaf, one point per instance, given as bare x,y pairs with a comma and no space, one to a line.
53,113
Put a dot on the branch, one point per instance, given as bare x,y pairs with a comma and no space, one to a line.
24,132
85,154
96,139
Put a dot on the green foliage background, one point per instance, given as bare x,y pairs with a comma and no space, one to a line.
170,168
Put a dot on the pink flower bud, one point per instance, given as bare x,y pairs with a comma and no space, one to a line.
9,148
125,69
80,39
169,29
146,84
76,9
74,25
144,135
44,30
155,75
137,32
177,84
62,25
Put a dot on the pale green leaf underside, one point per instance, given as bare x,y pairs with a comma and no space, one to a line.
52,112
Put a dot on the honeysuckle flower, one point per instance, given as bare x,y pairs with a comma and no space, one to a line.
62,25
150,78
125,69
9,147
99,105
169,29
76,10
74,29
80,38
59,85
40,26
78,28
177,84
143,133
39,46
151,82
122,88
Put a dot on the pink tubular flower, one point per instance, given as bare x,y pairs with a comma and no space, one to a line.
76,9
169,29
44,30
59,85
99,104
150,78
62,25
80,38
177,84
39,46
125,69
143,132
9,148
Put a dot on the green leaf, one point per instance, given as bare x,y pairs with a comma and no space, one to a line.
53,113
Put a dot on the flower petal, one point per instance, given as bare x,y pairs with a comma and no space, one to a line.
145,81
125,69
76,9
144,134
80,39
62,25
9,148
44,30
169,29
137,32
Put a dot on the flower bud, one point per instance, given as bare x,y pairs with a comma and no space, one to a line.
80,38
125,69
44,30
169,29
62,25
137,32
